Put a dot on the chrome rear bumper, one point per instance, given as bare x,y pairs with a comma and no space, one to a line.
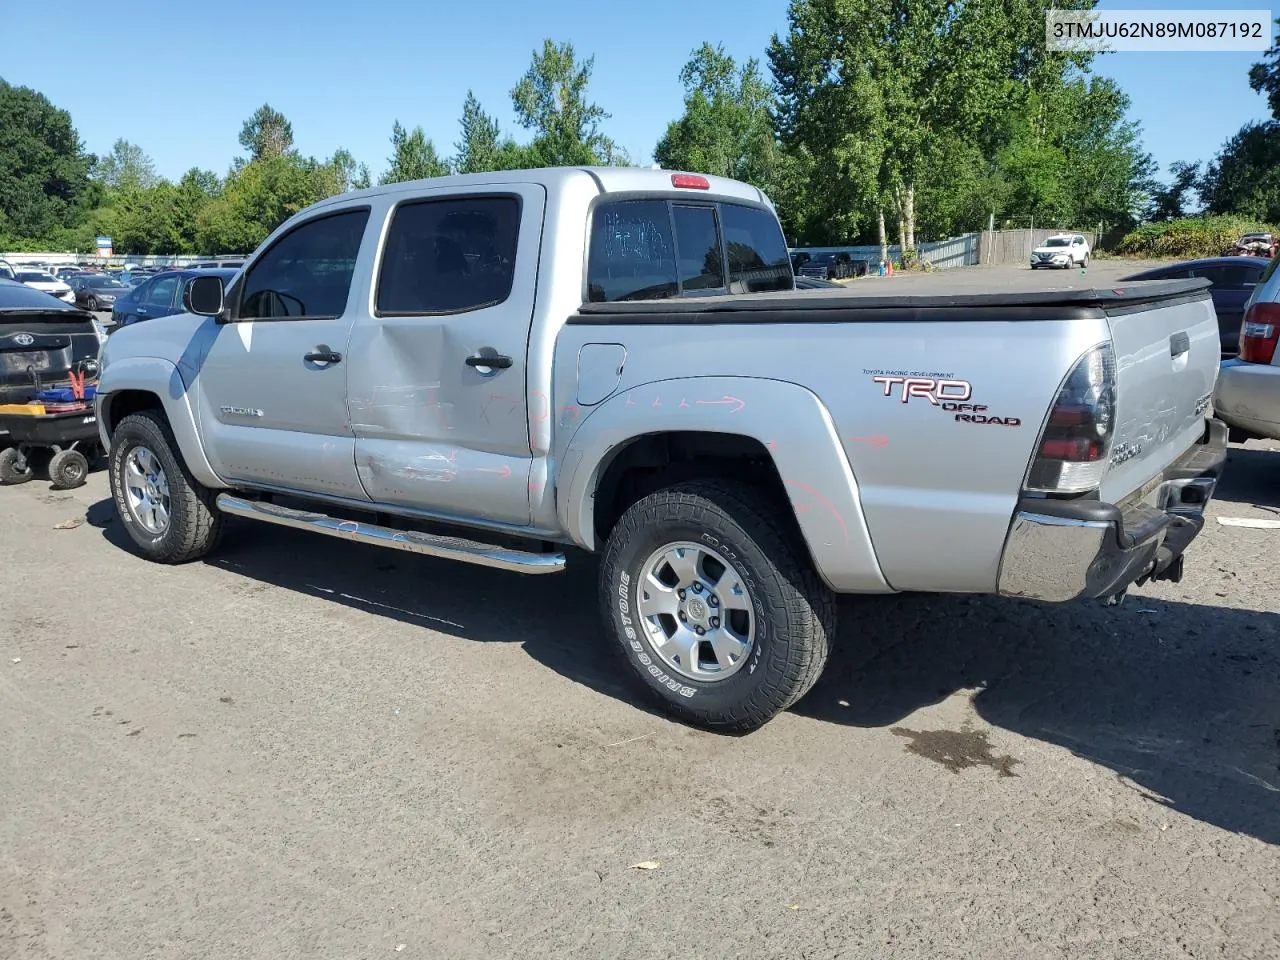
1059,550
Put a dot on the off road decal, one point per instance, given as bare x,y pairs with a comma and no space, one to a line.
945,392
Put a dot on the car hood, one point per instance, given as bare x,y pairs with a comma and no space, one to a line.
1066,250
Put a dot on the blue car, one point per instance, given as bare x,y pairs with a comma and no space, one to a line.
159,296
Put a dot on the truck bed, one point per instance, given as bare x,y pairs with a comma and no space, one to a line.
937,485
909,297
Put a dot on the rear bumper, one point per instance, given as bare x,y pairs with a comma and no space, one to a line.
1247,397
1060,550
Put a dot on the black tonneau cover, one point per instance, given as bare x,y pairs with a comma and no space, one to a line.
873,305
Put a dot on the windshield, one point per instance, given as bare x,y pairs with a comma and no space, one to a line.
106,283
31,276
823,258
1058,242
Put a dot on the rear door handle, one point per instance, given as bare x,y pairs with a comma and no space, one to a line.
322,354
496,361
1179,344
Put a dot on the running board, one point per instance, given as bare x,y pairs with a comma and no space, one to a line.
411,541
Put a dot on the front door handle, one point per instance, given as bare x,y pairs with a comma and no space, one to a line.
322,354
495,361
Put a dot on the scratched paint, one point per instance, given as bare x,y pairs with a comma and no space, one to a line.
823,502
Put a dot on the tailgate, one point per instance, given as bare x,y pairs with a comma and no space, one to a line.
1167,354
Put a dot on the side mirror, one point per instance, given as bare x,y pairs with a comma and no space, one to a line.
203,296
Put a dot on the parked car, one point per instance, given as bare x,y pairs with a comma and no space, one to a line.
215,264
46,283
497,354
1232,281
1063,251
96,291
40,337
1247,395
159,296
6,270
1255,245
828,266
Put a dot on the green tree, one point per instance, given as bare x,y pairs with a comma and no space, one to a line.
551,100
1169,200
726,129
259,197
871,89
349,174
1264,77
126,165
413,157
1244,178
483,147
43,166
266,134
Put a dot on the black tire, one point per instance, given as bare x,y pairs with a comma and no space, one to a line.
1086,261
14,467
195,523
68,469
91,304
794,612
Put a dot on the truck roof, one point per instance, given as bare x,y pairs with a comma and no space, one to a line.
556,179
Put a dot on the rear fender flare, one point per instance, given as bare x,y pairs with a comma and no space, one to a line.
162,379
788,420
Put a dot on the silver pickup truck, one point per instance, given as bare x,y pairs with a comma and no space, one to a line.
492,368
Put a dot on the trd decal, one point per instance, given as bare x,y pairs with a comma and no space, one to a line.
925,388
945,393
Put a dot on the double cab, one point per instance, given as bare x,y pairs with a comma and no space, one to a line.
495,367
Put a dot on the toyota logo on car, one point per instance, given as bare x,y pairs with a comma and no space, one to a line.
24,339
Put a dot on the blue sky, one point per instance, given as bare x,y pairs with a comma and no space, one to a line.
179,79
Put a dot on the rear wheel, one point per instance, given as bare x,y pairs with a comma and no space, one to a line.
714,604
14,467
167,512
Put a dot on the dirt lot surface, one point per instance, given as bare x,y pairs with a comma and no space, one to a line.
301,747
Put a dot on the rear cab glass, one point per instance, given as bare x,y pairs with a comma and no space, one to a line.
654,249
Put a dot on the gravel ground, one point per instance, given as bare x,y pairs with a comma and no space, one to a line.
306,747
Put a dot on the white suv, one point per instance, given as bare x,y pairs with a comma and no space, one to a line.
1065,250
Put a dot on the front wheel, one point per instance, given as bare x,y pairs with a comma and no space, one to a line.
715,605
167,513
91,304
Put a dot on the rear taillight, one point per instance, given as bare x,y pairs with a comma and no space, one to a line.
1071,456
690,181
1259,333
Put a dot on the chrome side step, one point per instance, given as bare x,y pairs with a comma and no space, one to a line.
411,541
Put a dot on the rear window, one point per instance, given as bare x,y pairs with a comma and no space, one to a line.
758,258
1268,290
657,249
1232,277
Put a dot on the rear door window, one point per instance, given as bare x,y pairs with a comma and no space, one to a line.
758,257
160,292
449,256
632,254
